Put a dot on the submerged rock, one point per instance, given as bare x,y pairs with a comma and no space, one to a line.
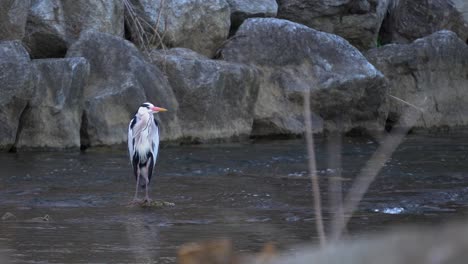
430,73
53,25
53,118
346,90
216,98
153,204
17,81
408,20
8,217
13,14
120,80
200,25
358,21
40,219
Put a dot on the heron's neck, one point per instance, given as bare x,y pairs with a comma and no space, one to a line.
146,120
144,135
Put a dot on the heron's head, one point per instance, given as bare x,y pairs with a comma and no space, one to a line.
149,108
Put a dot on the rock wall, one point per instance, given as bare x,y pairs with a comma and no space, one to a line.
53,117
200,25
53,25
432,74
408,20
358,21
120,80
17,81
225,68
346,90
216,98
13,14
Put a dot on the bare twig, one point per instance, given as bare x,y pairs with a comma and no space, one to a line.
313,168
407,103
156,26
145,33
412,105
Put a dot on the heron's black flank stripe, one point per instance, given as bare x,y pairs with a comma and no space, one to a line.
156,122
135,165
133,123
150,169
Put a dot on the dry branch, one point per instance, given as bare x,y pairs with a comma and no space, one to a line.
313,169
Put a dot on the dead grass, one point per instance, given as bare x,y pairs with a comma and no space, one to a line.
145,35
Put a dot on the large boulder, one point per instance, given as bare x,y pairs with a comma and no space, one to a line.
53,117
346,90
16,86
431,74
13,14
243,9
408,20
200,25
53,25
358,21
120,81
216,98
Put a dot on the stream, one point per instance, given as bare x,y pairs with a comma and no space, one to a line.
250,193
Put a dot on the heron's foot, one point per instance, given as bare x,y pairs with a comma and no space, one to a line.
147,201
135,201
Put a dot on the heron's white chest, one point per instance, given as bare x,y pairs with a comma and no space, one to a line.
144,145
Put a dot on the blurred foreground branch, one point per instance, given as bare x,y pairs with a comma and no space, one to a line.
313,168
374,165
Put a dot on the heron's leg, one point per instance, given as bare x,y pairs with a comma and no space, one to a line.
147,199
146,170
135,198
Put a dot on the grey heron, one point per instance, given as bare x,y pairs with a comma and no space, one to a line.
143,145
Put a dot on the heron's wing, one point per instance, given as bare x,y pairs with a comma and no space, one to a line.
131,138
155,139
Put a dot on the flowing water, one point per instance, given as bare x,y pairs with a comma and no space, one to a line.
249,193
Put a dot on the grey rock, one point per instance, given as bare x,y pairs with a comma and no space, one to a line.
430,73
53,118
53,25
346,90
120,81
408,20
160,55
200,25
243,9
358,21
16,86
13,14
216,98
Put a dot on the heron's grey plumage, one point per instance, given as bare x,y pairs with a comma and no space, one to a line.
143,145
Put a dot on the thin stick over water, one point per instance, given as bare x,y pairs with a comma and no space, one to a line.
373,167
313,169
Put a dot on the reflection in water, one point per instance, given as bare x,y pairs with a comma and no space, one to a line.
251,193
143,239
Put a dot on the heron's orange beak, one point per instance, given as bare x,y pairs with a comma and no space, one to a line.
158,109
